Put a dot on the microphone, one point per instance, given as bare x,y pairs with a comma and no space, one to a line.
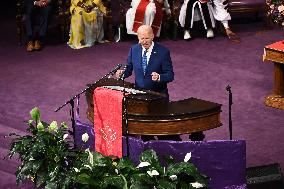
121,77
113,71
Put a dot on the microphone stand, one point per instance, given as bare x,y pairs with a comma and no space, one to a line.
71,100
228,88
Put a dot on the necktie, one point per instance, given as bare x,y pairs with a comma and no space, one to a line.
144,61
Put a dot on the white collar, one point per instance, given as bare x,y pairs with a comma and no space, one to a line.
149,50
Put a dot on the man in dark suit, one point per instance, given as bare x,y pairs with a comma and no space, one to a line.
151,63
152,66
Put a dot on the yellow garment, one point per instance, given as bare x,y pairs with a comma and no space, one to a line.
83,24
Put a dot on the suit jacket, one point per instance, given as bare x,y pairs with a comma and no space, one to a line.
160,62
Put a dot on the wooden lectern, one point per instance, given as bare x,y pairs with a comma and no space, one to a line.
152,114
275,53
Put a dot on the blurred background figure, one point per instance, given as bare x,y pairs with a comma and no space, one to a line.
33,10
193,10
86,23
220,12
148,12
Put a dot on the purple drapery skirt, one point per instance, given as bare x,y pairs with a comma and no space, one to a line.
224,161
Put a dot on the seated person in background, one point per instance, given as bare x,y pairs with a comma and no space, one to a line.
220,12
86,23
32,10
152,66
148,12
188,15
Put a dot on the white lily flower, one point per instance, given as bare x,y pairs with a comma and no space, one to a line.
65,136
143,164
173,177
88,166
76,170
85,137
187,157
196,185
90,157
153,173
116,171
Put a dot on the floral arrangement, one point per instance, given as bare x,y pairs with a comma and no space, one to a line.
275,11
49,159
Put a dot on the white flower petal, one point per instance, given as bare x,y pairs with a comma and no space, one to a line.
187,157
196,185
88,166
65,136
149,173
85,137
173,177
143,164
76,170
155,172
90,157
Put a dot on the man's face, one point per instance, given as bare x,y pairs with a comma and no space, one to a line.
145,38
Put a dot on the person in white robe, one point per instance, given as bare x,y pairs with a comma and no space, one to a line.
148,17
193,10
220,12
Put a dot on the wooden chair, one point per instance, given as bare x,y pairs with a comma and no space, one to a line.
59,19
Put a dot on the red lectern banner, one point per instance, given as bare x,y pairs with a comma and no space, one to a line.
108,121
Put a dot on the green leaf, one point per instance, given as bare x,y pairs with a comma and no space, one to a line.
83,178
36,165
169,160
141,177
64,125
184,185
149,156
182,167
35,114
164,184
117,181
51,185
126,166
139,185
40,179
